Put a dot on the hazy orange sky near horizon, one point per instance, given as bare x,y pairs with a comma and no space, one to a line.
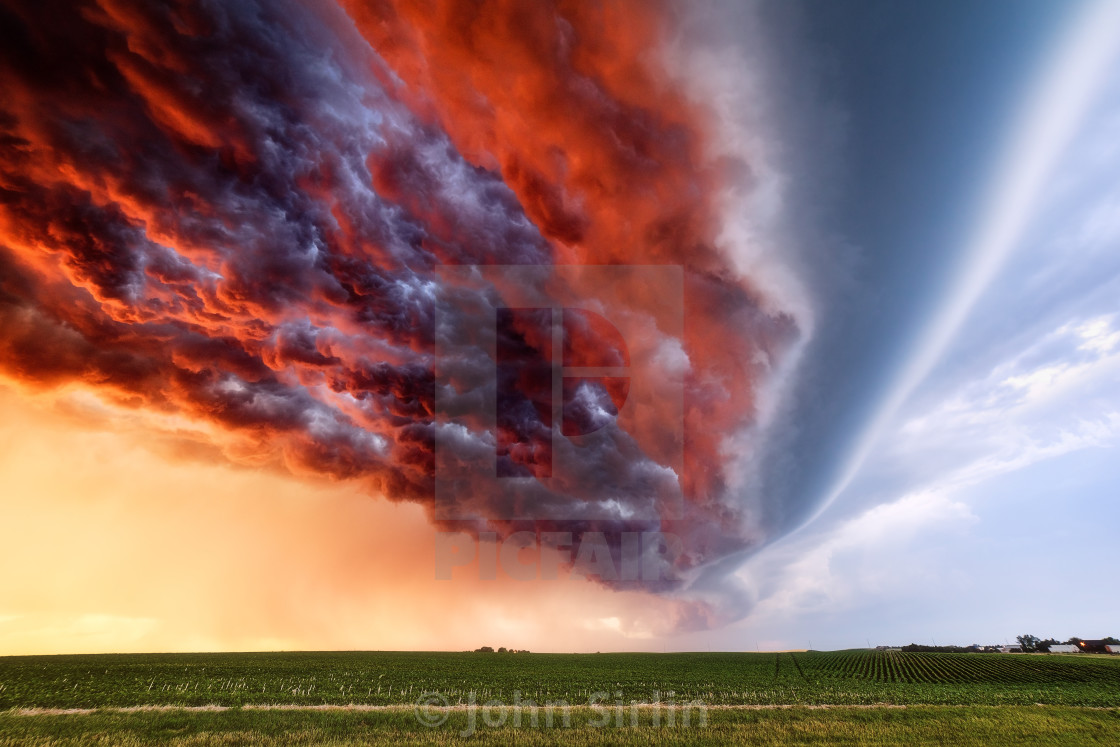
113,545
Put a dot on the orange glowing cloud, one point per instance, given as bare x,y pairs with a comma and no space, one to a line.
235,217
566,100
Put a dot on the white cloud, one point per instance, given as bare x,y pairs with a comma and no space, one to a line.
868,555
1098,335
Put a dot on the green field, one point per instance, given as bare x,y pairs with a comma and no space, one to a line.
961,726
979,698
841,677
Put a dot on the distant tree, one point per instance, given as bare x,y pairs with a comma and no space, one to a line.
486,650
502,650
1028,642
1074,641
1044,646
1110,641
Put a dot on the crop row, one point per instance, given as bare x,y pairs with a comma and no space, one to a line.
907,667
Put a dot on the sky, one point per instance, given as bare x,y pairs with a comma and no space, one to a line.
320,323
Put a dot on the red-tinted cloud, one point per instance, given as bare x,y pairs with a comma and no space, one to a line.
234,213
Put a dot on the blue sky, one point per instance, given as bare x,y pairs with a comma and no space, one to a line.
957,439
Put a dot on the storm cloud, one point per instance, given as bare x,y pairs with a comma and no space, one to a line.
237,214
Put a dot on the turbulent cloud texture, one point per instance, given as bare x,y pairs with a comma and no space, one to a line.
233,215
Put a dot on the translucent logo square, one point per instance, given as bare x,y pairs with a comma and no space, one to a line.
559,392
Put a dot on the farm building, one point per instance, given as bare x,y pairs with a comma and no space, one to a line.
1093,647
1064,648
1113,649
1011,649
